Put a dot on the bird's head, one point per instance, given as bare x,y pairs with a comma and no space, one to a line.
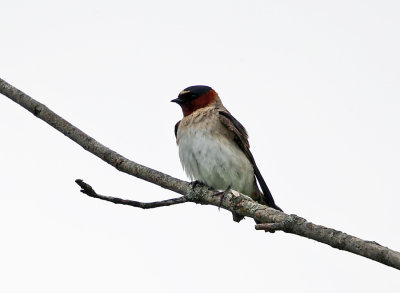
195,97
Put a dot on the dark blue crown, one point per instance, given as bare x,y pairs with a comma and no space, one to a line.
198,90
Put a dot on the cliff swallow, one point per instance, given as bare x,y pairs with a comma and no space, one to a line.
214,147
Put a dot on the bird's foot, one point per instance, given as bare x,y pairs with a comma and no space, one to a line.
236,217
200,184
197,183
222,194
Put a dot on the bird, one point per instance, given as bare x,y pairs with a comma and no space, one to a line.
214,148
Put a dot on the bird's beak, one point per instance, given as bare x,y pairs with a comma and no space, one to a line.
177,100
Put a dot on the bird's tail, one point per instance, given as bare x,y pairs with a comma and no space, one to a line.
266,196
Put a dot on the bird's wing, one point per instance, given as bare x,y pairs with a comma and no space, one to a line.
176,128
241,139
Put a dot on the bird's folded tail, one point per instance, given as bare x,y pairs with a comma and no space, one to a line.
267,196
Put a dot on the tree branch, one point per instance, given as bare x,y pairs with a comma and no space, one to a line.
88,190
272,220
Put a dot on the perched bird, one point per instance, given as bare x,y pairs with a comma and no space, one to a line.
214,147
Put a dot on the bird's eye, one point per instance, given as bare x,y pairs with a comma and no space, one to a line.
189,96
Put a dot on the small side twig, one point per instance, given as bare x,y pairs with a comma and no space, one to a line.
270,227
88,190
285,225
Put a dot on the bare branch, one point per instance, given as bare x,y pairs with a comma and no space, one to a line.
88,190
231,201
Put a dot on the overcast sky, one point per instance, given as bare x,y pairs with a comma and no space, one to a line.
316,83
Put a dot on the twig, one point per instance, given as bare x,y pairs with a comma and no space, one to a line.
233,201
88,190
271,227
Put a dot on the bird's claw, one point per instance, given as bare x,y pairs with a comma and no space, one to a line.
222,194
197,183
236,217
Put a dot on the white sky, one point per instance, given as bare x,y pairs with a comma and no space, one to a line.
316,83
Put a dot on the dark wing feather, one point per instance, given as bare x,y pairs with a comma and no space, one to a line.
241,138
176,128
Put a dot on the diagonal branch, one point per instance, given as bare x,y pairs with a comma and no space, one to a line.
88,190
232,201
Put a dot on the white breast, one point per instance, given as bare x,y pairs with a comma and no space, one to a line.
210,157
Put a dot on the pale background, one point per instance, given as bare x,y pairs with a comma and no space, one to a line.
316,83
